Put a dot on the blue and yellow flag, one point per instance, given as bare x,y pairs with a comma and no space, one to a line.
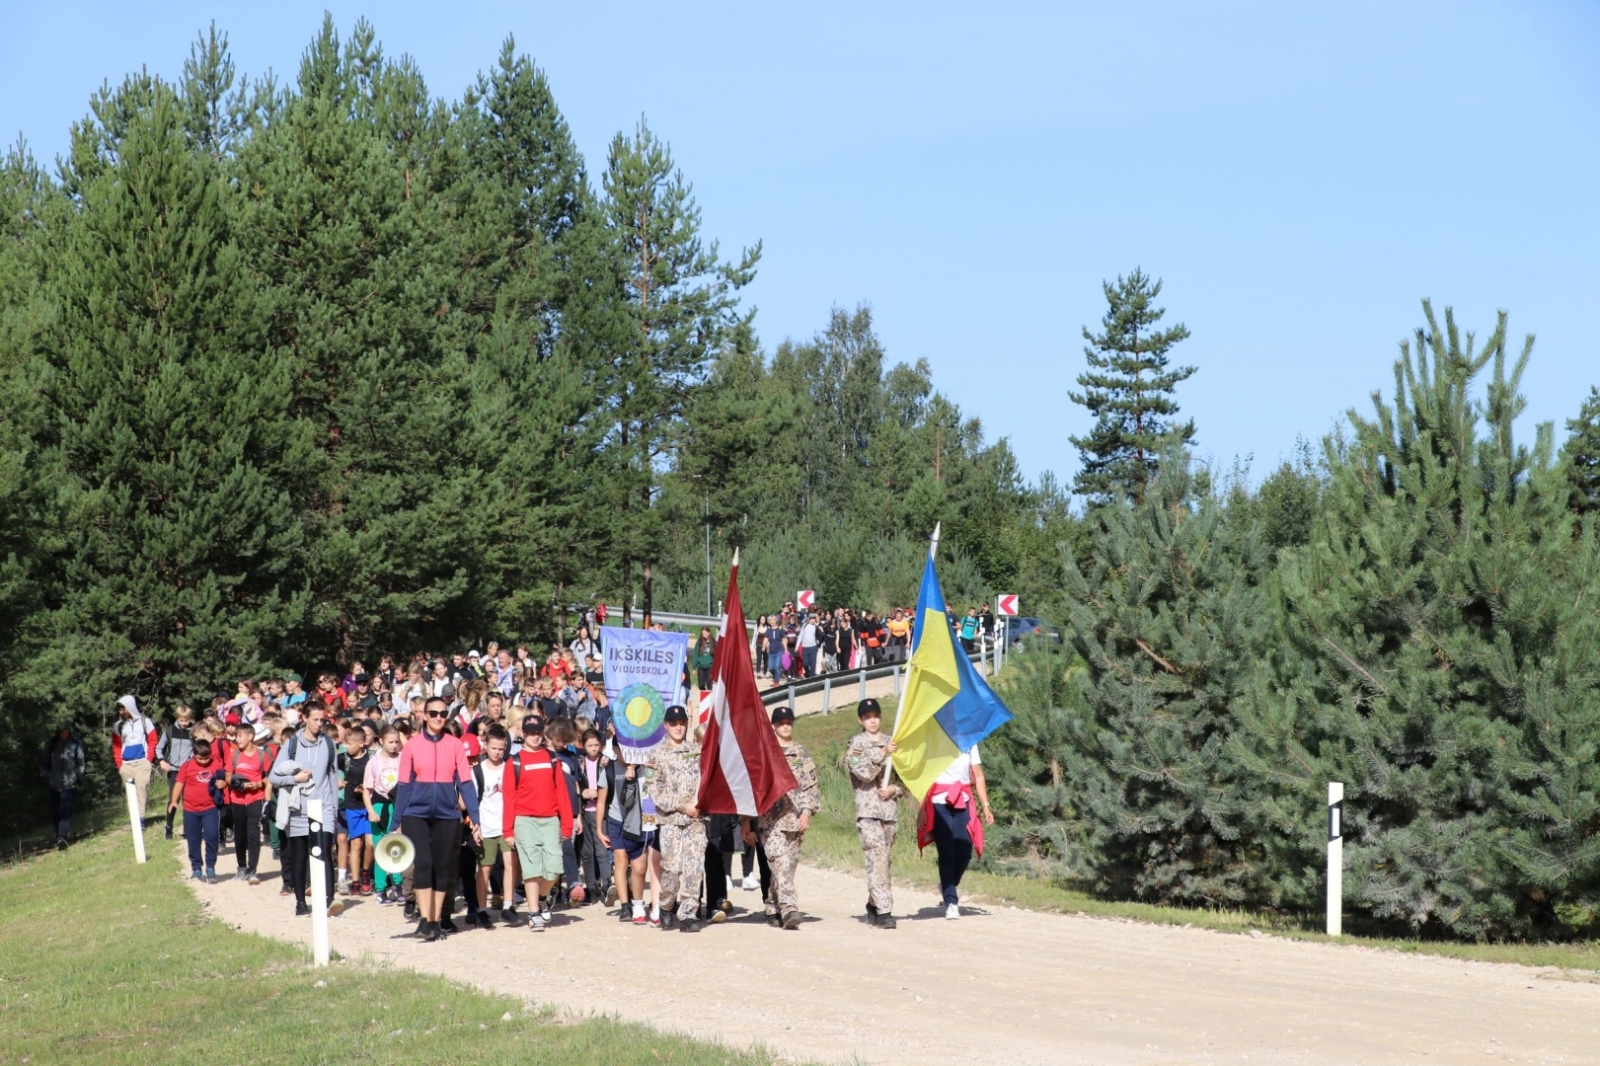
947,706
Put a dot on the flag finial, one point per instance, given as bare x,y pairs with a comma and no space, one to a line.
736,558
933,545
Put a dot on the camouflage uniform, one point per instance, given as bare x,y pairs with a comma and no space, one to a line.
674,786
876,817
779,827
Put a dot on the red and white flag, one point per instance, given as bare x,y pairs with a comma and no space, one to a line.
742,768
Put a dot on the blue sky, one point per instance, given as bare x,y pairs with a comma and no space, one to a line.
1299,174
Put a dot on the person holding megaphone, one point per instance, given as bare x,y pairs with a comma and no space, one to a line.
383,774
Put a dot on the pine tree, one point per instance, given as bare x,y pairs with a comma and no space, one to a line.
1128,389
682,302
169,441
1168,621
1438,660
1582,455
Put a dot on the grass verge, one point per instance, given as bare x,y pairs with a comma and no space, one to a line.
833,842
107,962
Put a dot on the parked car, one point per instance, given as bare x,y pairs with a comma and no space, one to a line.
1020,630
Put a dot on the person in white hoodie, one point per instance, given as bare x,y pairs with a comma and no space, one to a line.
133,745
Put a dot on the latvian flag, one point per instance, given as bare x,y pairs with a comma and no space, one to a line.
742,768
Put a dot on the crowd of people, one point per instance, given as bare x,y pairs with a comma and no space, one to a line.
792,644
504,773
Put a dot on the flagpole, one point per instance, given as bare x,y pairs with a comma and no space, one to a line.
888,767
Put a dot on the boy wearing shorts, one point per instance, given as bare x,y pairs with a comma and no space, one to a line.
537,816
491,779
356,824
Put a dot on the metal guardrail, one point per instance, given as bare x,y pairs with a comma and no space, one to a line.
826,683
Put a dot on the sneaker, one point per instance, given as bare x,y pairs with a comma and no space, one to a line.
667,922
537,922
791,920
885,921
422,927
952,911
509,915
447,926
211,877
719,916
366,888
252,878
169,836
752,883
335,909
61,843
688,925
547,907
484,921
197,875
639,916
726,906
241,875
384,900
411,910
275,855
655,919
302,910
611,895
429,931
624,915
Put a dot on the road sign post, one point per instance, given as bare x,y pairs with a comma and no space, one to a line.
805,599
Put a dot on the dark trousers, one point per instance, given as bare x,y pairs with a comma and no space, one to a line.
61,810
172,779
201,827
954,844
466,880
808,656
766,871
297,860
247,834
716,876
747,861
592,856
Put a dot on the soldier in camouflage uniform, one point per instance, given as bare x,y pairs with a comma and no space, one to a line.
866,756
675,788
784,824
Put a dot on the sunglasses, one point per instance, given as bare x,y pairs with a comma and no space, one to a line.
438,714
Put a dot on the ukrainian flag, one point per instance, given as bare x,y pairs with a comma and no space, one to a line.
947,707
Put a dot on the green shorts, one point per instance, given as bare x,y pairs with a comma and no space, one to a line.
539,848
492,849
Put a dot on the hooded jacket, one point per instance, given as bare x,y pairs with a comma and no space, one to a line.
132,738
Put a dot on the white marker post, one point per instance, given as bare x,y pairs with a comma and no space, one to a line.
1335,858
319,886
136,820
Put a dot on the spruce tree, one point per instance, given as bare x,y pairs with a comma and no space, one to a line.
1128,388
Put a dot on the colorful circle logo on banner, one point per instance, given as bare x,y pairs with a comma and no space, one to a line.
642,723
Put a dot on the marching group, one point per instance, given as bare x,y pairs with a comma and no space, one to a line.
793,644
503,774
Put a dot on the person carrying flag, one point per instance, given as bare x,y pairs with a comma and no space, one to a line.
675,788
782,827
946,710
876,816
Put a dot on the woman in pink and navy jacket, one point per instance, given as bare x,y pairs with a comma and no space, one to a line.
435,786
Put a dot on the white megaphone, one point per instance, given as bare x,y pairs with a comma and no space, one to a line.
395,854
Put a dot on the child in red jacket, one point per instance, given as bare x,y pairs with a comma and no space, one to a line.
538,816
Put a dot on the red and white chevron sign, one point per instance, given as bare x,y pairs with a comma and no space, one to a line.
1006,605
805,599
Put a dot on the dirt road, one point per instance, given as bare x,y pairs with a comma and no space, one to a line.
999,986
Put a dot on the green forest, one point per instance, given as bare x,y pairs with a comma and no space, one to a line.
291,374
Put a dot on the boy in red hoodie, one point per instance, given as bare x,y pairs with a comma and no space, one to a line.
538,816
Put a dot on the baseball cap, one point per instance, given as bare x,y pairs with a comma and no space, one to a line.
474,748
532,724
868,706
361,679
676,714
782,714
296,678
